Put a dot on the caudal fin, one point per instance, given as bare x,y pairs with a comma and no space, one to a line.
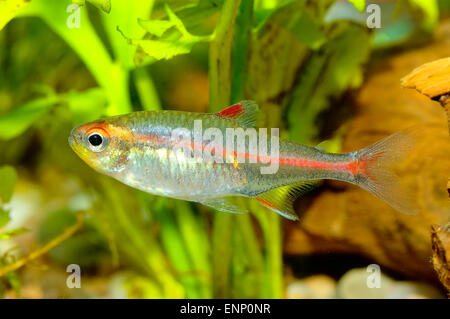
376,174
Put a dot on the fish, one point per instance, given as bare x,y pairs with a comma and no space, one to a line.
141,150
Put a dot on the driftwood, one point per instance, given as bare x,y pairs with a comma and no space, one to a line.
344,218
440,237
433,80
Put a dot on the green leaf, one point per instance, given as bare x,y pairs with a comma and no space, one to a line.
87,105
359,4
146,90
20,119
431,12
314,38
90,48
156,27
13,232
169,44
4,217
9,9
177,252
193,16
176,21
196,242
124,18
277,55
8,178
326,75
104,5
160,50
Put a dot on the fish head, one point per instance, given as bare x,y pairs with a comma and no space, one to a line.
103,145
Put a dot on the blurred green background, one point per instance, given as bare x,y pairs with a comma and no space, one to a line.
293,57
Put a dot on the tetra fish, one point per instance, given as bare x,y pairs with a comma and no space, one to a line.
141,150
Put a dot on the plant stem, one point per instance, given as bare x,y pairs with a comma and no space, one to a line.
220,56
242,37
146,90
44,249
220,94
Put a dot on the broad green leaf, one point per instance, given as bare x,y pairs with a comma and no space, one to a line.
314,38
176,249
4,217
90,48
176,21
148,95
104,5
124,18
431,12
13,232
87,105
278,52
9,9
326,75
8,178
359,4
196,242
301,21
166,47
160,50
18,120
156,27
192,16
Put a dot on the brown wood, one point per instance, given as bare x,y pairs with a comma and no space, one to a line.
440,237
433,80
345,218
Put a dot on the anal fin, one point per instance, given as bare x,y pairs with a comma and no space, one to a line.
281,200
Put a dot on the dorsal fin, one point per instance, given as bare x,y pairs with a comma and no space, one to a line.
281,200
244,113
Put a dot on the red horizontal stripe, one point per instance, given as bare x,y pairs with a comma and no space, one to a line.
352,167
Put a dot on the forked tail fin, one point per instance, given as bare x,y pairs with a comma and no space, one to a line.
375,170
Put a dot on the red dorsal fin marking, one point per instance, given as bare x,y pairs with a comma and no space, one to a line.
232,112
243,113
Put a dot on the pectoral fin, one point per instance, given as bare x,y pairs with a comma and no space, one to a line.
224,204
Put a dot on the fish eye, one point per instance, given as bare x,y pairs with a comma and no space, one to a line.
96,142
95,139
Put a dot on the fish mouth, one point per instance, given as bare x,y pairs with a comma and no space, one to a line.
72,140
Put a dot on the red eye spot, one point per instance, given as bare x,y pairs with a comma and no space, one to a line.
98,130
